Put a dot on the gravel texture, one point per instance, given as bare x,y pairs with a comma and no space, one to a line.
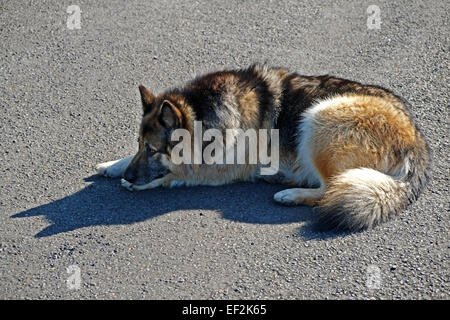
69,100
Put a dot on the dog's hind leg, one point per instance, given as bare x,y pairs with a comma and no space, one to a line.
296,196
114,168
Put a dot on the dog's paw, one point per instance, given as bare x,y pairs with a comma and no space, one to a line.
140,187
109,169
127,185
287,197
101,168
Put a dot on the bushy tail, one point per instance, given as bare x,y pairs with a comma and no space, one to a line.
362,198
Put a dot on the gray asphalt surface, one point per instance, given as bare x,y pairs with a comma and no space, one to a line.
69,100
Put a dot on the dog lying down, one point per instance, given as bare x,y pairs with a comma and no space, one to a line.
351,149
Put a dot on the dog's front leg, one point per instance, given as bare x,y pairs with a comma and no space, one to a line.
114,169
168,180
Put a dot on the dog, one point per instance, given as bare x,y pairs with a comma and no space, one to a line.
352,150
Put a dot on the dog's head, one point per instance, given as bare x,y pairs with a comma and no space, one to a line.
160,117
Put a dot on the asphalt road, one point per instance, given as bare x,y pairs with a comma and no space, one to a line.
69,100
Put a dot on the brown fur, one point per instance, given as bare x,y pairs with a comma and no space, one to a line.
354,146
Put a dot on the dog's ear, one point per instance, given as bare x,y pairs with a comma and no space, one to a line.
169,115
147,99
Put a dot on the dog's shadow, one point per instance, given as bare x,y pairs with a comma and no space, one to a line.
104,202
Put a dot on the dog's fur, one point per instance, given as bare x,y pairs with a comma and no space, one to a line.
353,148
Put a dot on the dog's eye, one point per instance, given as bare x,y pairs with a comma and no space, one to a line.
149,148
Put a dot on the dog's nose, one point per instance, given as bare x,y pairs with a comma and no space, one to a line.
130,176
